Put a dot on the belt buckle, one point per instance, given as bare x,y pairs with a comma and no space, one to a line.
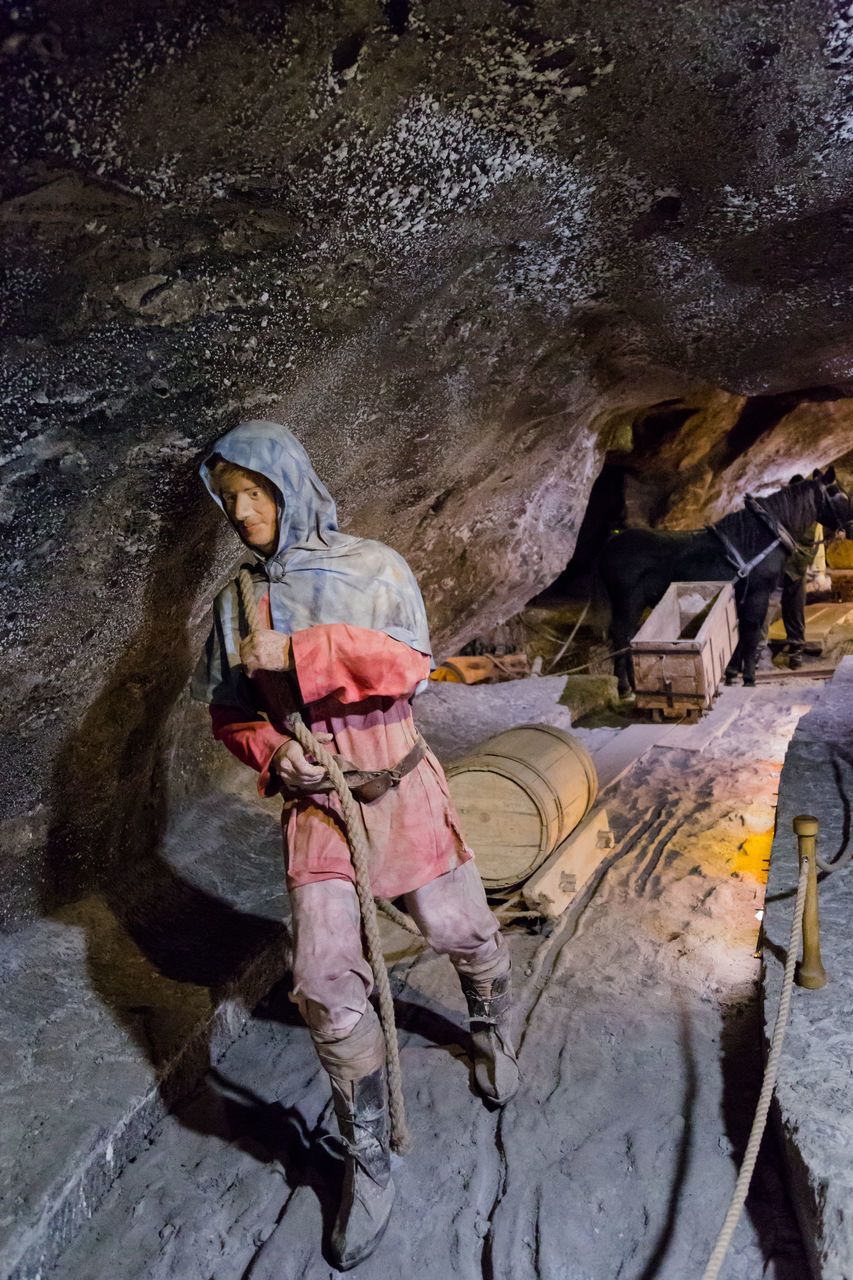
373,790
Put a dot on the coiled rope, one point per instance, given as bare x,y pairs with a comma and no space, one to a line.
357,838
770,1073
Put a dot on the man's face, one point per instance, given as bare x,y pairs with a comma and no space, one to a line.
251,509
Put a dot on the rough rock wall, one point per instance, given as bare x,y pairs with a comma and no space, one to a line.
686,462
445,246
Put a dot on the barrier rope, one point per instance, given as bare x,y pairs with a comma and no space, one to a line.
770,1073
357,838
829,867
840,860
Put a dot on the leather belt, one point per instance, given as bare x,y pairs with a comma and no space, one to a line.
369,784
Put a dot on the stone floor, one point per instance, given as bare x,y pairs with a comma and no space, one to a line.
107,1018
639,1047
815,1083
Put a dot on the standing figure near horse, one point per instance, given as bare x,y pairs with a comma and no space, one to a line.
807,561
344,641
749,548
793,601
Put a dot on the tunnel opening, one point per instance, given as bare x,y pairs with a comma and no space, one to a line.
632,490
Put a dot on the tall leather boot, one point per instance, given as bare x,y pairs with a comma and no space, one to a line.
361,1107
496,1073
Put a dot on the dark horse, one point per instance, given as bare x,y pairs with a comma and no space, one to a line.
748,548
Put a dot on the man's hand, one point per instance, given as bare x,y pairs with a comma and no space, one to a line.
266,651
294,768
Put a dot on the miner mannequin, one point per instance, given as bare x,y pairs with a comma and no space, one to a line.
344,640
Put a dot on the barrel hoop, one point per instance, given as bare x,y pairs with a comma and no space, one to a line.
577,748
486,764
507,773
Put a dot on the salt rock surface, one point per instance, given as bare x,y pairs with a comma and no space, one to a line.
452,249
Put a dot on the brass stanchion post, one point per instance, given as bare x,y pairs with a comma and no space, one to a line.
811,971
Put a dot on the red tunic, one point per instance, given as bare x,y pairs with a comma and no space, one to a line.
356,684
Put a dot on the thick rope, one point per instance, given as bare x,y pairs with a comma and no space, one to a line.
829,867
399,917
604,658
248,601
840,861
359,853
357,838
771,1071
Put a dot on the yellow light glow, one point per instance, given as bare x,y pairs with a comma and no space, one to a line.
753,857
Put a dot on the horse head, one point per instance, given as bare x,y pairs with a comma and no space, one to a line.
836,505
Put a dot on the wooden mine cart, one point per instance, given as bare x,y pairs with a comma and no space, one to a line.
682,649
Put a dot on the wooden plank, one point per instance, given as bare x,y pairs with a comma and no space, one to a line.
677,673
492,800
675,709
554,886
802,673
662,622
821,621
659,644
499,808
501,828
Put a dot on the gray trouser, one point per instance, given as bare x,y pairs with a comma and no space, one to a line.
794,611
331,978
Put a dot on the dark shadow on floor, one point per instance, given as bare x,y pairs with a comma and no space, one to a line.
768,1203
682,1159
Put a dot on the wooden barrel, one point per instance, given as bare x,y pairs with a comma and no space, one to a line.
522,793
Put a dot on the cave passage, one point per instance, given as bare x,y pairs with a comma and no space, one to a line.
514,274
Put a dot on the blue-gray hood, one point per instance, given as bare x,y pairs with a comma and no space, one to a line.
316,574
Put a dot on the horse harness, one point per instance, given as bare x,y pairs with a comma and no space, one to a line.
782,537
